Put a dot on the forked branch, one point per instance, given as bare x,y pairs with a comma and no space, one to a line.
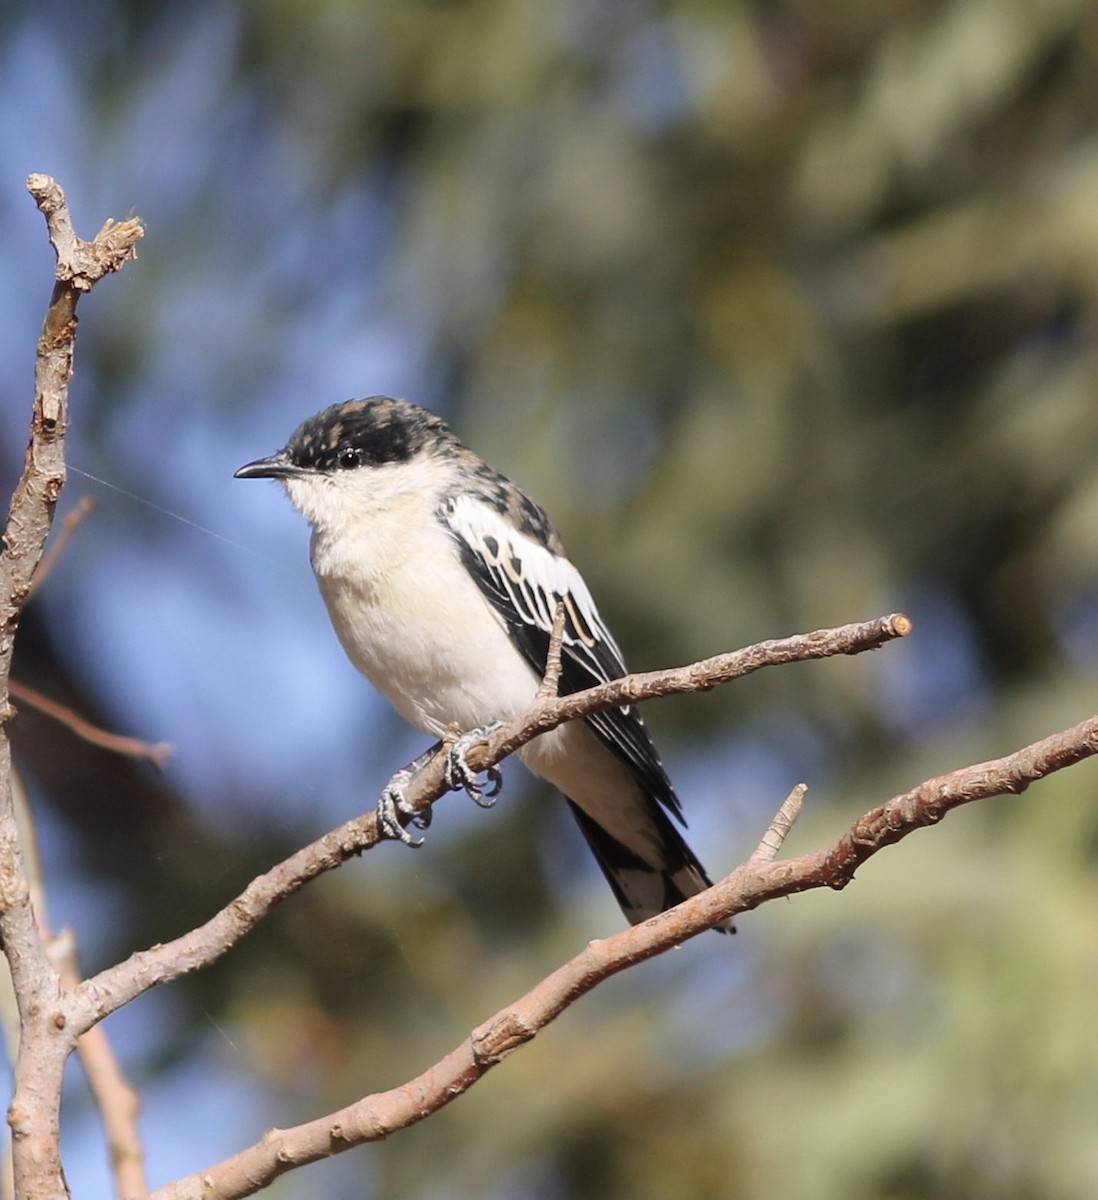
756,881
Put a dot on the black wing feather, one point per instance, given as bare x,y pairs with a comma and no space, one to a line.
589,655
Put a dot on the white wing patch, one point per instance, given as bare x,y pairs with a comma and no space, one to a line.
534,580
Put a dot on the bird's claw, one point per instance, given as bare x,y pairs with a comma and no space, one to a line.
460,776
395,814
392,806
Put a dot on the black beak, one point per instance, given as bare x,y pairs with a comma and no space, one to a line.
275,466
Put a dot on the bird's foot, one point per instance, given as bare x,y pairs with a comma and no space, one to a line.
392,806
460,776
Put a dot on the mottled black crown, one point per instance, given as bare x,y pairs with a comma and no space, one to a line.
369,432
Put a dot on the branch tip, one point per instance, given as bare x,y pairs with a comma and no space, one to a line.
778,830
157,753
79,263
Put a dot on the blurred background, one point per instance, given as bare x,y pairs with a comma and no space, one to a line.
786,312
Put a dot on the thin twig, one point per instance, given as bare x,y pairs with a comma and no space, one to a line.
157,753
750,885
779,829
57,547
115,1097
550,682
120,1109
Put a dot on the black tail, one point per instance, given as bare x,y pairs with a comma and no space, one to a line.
643,888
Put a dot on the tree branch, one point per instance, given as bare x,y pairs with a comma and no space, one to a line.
119,1108
115,1097
34,1114
549,688
703,676
549,710
108,991
157,753
753,883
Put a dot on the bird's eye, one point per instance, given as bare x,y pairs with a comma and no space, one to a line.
348,458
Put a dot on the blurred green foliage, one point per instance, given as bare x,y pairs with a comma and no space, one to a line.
786,313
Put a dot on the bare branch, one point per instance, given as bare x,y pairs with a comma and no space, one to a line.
703,676
108,991
34,1113
118,1103
929,802
82,264
782,825
750,885
547,712
79,265
119,1107
550,683
157,753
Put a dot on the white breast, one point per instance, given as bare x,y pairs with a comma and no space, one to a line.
412,619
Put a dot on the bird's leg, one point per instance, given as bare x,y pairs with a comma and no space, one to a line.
460,776
391,805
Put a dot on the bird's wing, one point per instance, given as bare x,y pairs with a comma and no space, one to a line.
525,580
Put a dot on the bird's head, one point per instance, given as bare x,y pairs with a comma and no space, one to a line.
357,456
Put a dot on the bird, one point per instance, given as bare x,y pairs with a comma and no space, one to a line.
442,579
